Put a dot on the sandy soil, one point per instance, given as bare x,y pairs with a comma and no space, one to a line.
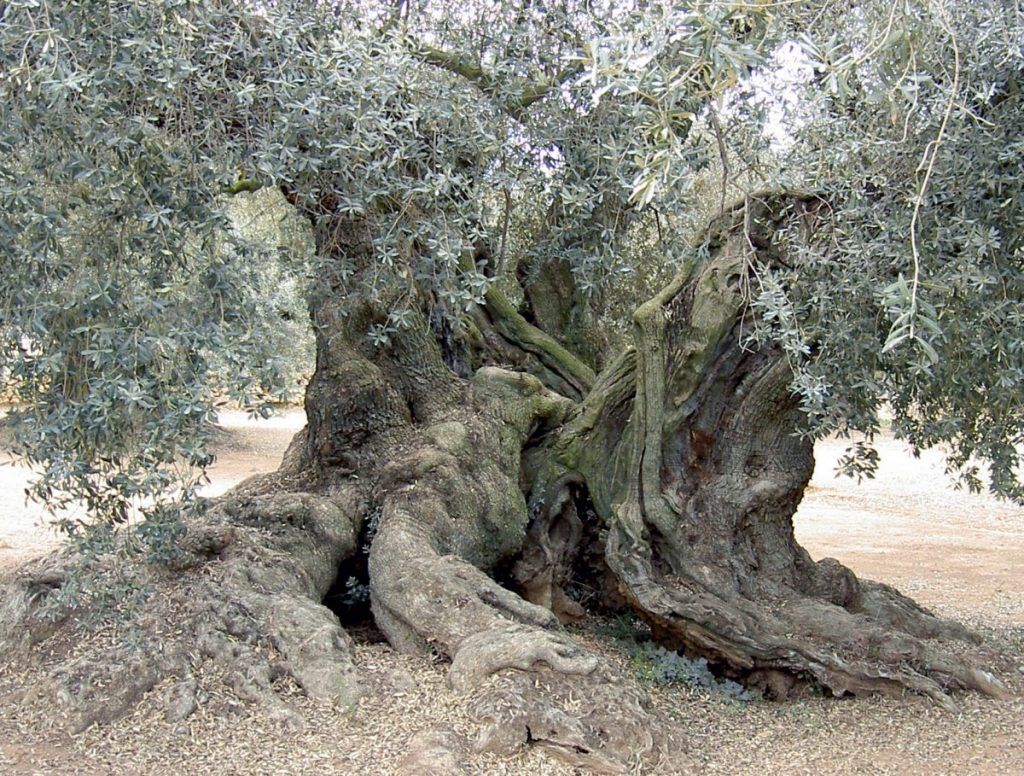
957,553
952,550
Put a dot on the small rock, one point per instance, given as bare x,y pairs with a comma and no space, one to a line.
433,752
180,701
400,680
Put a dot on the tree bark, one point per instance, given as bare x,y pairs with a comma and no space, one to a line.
681,454
689,448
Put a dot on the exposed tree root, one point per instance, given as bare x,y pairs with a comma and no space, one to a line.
802,639
530,681
243,599
541,688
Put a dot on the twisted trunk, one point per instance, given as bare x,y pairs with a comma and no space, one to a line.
690,449
680,454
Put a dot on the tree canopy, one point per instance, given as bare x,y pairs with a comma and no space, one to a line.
479,143
584,280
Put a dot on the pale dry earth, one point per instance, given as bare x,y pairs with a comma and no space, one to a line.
959,554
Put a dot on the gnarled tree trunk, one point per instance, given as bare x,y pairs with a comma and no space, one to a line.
690,451
681,456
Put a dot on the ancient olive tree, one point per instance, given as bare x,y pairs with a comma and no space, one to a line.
585,279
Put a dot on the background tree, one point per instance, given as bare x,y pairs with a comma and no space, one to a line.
543,356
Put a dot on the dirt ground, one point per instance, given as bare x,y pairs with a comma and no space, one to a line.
962,555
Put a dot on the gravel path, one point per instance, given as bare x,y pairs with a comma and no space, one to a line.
957,553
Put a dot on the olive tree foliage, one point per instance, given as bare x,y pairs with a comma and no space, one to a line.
912,296
129,298
587,133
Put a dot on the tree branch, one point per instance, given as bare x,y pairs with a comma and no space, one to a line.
513,98
517,330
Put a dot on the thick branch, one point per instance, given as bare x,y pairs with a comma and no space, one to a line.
517,330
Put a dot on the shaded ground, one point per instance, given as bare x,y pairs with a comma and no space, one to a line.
957,553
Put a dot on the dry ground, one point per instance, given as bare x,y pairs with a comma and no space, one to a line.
958,554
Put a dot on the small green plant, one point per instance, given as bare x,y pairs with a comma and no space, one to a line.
656,665
371,527
356,593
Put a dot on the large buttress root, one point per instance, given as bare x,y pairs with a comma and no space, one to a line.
242,600
689,449
527,681
450,517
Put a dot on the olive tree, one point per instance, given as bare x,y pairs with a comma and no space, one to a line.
586,280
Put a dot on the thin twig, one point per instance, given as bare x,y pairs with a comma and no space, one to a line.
931,153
